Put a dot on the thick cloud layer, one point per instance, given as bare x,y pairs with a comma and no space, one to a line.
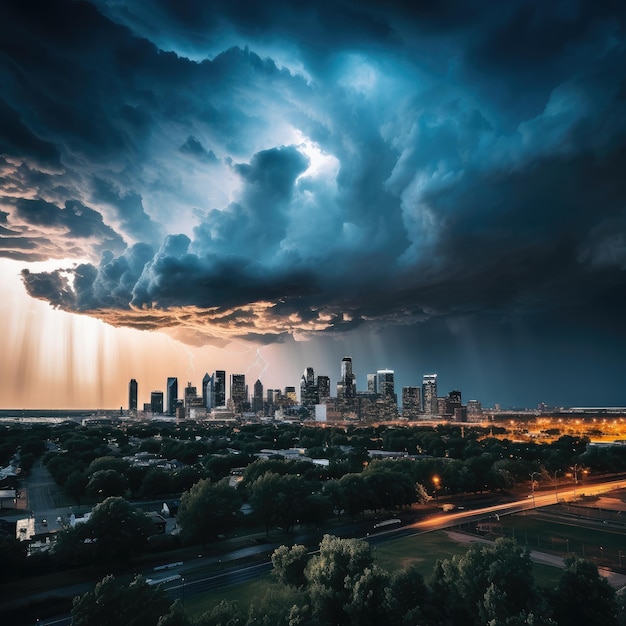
260,170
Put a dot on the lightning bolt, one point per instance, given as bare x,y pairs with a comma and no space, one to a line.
191,370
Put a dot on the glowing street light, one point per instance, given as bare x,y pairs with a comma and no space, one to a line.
436,481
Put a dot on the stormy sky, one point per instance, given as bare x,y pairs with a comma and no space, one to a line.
425,186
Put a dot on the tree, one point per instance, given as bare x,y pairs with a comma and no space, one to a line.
175,616
280,606
114,532
355,493
332,574
368,605
113,603
107,463
207,510
156,482
106,483
315,509
224,614
408,598
13,555
263,496
75,486
289,565
583,596
504,570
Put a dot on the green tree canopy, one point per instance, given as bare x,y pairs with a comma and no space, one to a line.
583,596
289,565
114,603
207,510
115,531
332,574
106,483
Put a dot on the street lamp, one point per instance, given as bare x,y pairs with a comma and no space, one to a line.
436,481
532,485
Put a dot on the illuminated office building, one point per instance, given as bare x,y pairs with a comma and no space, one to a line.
429,394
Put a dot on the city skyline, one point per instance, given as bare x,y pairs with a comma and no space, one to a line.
260,189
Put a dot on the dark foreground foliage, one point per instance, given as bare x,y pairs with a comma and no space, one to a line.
490,585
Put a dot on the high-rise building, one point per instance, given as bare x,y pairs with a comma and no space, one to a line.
132,395
274,401
220,388
474,408
453,402
238,392
207,391
429,394
346,386
411,402
323,388
156,402
309,396
290,395
257,398
371,383
172,395
191,393
385,384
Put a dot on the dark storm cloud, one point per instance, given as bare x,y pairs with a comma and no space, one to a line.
194,148
293,169
53,287
16,139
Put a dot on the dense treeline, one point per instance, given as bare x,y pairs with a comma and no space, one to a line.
24,444
95,463
490,585
464,460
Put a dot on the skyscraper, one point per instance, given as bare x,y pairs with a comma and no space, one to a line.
238,391
219,387
323,388
308,390
132,395
411,402
207,391
257,398
156,402
346,386
453,402
190,393
290,395
429,394
371,383
385,384
172,395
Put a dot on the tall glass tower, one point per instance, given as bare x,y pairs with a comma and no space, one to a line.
429,393
220,388
172,395
132,395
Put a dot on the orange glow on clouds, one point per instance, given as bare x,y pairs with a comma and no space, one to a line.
53,359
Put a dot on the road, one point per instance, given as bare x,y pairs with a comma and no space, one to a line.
196,582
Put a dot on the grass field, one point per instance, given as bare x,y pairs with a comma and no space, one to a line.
243,594
564,536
